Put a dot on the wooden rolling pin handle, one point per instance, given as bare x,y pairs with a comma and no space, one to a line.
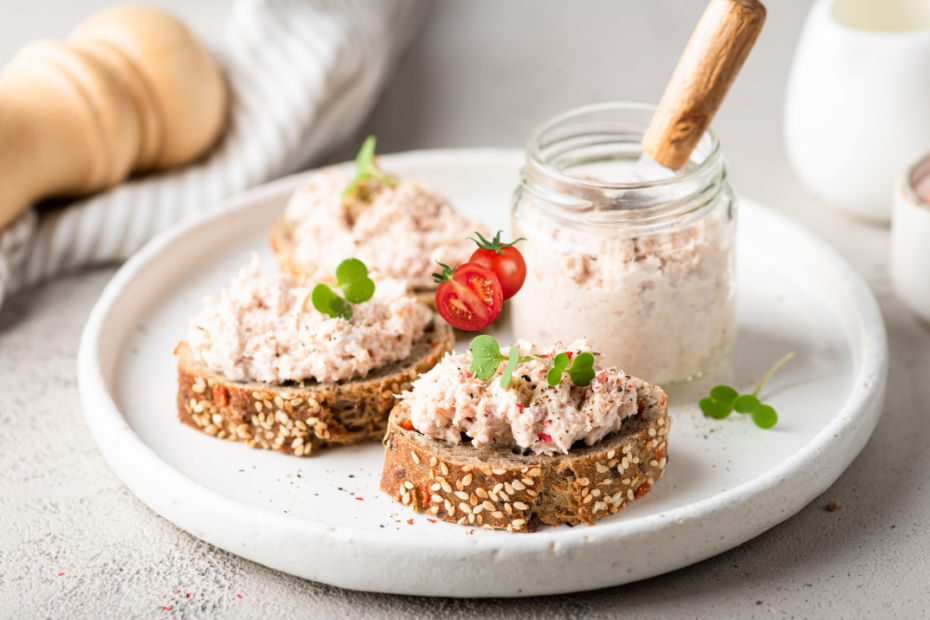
714,55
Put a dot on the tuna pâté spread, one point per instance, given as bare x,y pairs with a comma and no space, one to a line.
448,401
398,231
660,305
265,328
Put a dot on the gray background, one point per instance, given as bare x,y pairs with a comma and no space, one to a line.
482,73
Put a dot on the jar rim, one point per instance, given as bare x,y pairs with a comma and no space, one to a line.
533,151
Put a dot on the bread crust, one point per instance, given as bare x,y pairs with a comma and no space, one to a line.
496,488
299,419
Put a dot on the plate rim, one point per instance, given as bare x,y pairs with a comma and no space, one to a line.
115,438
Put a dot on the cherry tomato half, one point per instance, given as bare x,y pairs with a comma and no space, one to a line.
468,298
504,260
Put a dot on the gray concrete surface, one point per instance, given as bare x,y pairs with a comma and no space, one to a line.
482,73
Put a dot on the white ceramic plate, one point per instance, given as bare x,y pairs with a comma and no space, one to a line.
323,518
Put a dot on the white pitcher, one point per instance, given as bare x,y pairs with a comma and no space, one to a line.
858,101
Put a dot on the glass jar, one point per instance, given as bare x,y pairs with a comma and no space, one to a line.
644,270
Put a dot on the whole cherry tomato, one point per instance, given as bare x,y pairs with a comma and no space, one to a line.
468,298
504,260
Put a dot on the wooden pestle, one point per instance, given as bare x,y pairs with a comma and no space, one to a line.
714,55
130,90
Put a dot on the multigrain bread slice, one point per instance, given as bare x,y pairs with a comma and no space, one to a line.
300,418
495,487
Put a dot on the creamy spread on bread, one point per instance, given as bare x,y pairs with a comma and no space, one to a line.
448,401
265,328
398,231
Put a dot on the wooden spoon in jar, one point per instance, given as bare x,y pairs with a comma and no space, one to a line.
714,55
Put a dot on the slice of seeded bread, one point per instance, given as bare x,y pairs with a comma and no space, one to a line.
299,418
495,487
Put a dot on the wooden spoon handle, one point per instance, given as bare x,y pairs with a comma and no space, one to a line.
714,55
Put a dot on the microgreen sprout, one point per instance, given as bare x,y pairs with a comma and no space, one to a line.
513,358
352,276
486,358
328,302
366,168
581,370
723,400
352,279
495,244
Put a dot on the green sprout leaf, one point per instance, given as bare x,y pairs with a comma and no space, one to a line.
513,358
328,302
366,168
559,364
746,403
723,399
713,409
724,395
582,370
720,402
764,417
485,357
352,276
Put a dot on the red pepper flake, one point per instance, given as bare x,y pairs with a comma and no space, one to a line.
640,406
435,344
409,521
660,453
188,594
166,608
662,400
519,406
431,520
220,396
360,499
239,595
602,377
179,591
465,375
547,421
408,425
544,437
60,574
643,489
570,355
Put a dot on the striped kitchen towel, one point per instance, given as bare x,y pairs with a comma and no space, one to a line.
303,75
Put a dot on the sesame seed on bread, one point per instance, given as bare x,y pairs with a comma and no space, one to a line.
299,418
496,487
